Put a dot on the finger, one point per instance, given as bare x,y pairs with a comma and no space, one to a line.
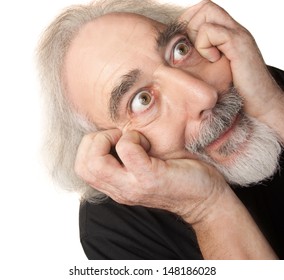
120,183
206,12
213,38
132,148
209,41
94,146
93,160
102,142
104,174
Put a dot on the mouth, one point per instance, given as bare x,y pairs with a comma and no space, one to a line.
217,143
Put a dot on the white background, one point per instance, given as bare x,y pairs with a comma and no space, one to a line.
39,223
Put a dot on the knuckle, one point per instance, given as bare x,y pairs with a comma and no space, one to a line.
87,138
242,35
83,147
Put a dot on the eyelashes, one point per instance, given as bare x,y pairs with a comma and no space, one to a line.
180,51
141,101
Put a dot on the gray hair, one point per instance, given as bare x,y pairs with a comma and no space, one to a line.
64,128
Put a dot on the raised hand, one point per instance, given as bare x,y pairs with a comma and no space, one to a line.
214,33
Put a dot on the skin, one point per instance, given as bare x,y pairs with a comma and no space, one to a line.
174,117
150,143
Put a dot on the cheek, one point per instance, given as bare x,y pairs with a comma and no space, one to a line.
167,139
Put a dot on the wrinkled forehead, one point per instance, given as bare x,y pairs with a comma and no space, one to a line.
112,34
104,48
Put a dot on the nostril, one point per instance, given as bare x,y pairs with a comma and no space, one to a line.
204,114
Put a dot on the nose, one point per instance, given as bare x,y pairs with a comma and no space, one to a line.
191,93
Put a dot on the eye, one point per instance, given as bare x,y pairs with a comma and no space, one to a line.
141,102
180,50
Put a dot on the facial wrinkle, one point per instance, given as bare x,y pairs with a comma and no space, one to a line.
221,118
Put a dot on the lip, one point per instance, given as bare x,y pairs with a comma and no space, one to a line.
224,136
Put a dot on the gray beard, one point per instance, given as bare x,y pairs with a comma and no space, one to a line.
257,161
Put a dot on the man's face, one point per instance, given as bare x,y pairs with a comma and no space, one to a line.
129,72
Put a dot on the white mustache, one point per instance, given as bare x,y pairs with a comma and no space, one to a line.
259,158
228,106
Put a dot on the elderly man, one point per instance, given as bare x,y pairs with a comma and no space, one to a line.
178,110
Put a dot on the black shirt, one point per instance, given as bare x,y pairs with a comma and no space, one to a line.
113,231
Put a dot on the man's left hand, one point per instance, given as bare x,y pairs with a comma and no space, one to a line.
215,33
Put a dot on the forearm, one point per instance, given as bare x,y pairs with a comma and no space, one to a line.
229,232
189,188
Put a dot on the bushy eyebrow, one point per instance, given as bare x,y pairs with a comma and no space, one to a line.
127,82
173,29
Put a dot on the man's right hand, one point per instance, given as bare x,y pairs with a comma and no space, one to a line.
186,187
189,188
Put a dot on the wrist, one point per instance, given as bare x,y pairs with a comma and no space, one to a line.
224,205
207,210
229,232
275,114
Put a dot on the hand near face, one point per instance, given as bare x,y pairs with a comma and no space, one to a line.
185,187
214,32
189,188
